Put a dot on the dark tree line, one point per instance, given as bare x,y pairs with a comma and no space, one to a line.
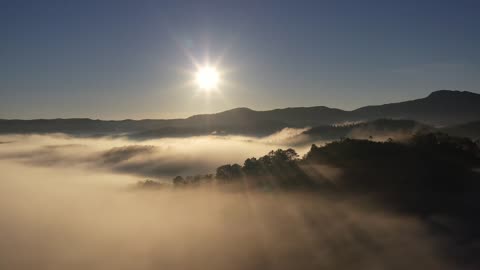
278,168
430,175
426,163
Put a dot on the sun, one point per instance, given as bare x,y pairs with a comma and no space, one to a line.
207,78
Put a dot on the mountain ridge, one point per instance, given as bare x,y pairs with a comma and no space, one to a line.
439,108
433,94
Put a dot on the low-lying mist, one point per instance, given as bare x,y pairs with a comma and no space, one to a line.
66,203
69,218
159,158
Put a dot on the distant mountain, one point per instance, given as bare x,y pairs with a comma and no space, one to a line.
440,108
293,117
444,107
80,126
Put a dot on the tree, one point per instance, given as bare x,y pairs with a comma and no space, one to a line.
228,172
252,167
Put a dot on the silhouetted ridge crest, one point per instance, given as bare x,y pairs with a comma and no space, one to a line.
451,93
440,108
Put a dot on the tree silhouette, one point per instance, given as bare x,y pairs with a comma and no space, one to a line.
228,172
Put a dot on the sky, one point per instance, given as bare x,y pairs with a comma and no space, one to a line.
136,59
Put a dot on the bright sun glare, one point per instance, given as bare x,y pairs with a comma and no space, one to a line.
207,78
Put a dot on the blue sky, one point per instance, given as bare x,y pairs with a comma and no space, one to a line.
130,59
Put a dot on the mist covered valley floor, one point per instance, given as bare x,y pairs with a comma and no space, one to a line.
71,203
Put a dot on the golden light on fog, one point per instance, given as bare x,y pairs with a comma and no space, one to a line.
207,78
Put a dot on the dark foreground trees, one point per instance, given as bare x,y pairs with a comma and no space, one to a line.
430,173
426,164
433,176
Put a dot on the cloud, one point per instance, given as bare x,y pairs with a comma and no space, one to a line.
159,158
64,205
288,136
73,218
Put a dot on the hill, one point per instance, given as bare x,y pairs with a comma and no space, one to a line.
376,129
440,108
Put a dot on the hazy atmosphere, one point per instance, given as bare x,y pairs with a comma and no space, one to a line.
157,158
71,203
239,135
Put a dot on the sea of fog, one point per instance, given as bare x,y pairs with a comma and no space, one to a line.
68,203
158,159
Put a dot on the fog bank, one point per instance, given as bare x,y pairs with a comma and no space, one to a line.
68,203
68,218
160,159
